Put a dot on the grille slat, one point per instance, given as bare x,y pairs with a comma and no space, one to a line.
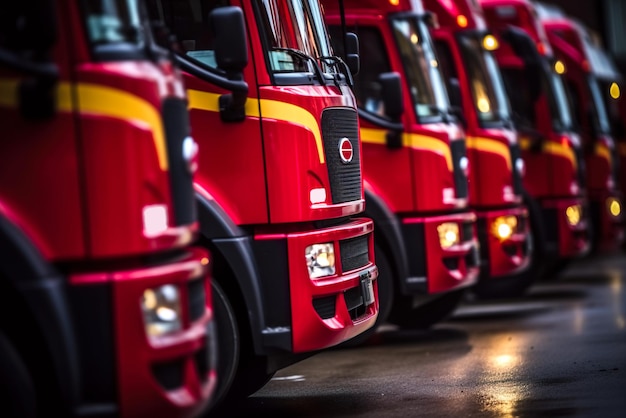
459,150
354,253
345,178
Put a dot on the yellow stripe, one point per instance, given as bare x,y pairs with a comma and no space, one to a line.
422,142
601,150
271,109
373,136
429,143
554,148
415,141
102,100
490,145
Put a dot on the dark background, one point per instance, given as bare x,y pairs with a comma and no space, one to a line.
606,18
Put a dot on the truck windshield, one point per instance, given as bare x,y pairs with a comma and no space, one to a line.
562,114
116,27
421,67
485,81
295,36
600,112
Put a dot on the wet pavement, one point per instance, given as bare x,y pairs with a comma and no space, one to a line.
560,351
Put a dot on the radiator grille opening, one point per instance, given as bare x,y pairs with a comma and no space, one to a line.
345,177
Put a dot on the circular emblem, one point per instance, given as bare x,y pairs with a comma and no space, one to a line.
345,150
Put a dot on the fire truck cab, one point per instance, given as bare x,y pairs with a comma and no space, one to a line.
573,47
279,187
551,148
105,306
464,49
414,160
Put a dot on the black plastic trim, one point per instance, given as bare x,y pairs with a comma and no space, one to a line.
388,232
235,247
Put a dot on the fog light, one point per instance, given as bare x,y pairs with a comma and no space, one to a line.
614,206
573,214
320,259
503,227
161,310
448,234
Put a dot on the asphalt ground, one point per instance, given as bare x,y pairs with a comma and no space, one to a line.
559,351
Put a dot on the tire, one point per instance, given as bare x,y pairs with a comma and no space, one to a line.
228,343
429,313
385,286
18,397
239,372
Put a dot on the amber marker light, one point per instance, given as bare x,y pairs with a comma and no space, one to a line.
461,20
614,90
614,206
559,67
490,43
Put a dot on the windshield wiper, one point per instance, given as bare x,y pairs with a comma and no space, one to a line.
339,63
318,71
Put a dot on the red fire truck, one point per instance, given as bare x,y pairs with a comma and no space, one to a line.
551,148
572,46
415,163
279,187
106,307
464,51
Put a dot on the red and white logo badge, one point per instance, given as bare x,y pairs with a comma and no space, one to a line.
345,150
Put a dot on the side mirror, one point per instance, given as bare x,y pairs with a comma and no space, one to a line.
525,48
352,53
391,91
231,56
231,51
456,100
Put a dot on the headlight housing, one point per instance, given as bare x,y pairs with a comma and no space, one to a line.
161,310
504,227
573,214
320,259
448,234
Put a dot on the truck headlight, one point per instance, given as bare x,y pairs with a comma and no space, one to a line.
161,310
504,226
573,214
448,234
320,259
614,206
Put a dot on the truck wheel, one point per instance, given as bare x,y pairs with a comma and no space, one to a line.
17,390
385,299
239,372
228,343
429,313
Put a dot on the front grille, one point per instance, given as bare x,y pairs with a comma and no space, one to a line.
354,253
170,374
197,299
345,178
459,151
467,231
516,154
325,306
176,124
